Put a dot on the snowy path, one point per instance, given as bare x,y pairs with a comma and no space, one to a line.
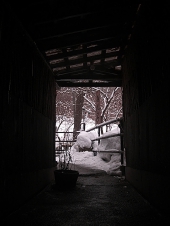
87,159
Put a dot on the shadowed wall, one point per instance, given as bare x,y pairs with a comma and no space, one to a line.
146,106
27,116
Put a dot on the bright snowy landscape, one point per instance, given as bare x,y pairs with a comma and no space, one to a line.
110,163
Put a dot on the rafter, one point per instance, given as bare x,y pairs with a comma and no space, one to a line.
80,41
79,50
81,60
89,84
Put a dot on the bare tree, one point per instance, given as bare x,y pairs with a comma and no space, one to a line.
110,102
71,101
78,100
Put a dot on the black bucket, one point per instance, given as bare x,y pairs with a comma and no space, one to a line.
65,179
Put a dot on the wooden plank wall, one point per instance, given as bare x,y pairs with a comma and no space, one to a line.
28,91
146,105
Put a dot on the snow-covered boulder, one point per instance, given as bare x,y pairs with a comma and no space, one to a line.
84,141
111,161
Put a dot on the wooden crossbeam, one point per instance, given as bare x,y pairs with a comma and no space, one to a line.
81,60
108,136
109,151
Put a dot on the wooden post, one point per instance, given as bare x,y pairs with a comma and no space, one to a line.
98,113
122,148
121,140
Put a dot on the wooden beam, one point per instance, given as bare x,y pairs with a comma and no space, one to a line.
88,76
92,84
96,16
108,136
111,151
68,42
76,52
81,60
61,30
98,68
105,123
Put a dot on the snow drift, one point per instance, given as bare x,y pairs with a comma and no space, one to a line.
84,142
109,161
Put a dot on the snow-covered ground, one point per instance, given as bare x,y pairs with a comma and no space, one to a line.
87,159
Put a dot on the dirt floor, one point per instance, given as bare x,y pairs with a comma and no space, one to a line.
97,200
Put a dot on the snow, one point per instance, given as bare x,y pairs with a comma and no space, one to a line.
84,140
87,159
110,163
110,143
82,155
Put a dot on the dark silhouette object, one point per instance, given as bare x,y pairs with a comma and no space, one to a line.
65,179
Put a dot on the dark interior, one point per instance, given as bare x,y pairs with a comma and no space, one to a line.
50,44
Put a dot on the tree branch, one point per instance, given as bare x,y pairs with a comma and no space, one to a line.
92,105
109,101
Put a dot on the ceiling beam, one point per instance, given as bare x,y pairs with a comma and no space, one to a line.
90,84
110,72
69,42
89,76
54,64
66,30
102,68
75,51
106,67
108,13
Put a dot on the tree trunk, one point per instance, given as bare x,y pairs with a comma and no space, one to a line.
78,100
98,108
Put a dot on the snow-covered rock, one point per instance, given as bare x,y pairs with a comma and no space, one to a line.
110,162
84,141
